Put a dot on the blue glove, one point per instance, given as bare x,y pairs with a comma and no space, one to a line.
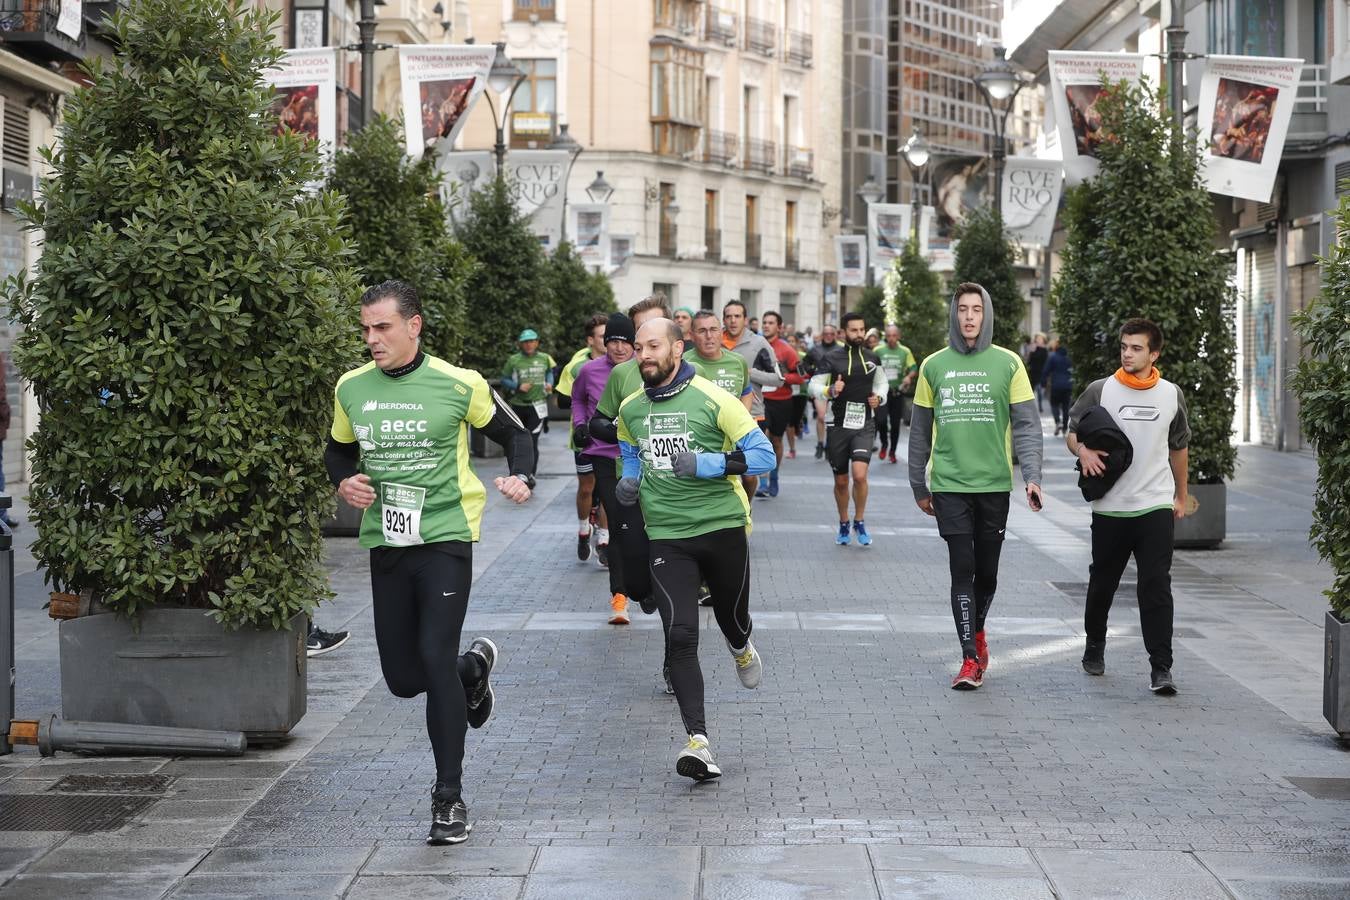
685,464
626,491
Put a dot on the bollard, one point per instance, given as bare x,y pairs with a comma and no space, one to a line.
51,734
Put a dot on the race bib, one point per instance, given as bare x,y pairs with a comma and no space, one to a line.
541,409
892,372
668,434
401,512
855,415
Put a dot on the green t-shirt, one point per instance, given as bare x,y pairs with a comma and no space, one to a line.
897,363
624,379
701,418
728,371
970,396
414,445
531,370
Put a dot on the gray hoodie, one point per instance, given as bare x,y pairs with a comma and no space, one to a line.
1027,438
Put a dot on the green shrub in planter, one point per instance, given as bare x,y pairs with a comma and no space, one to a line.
191,311
399,228
923,310
1323,387
987,256
1141,242
577,294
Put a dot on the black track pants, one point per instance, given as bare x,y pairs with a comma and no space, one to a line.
722,560
420,597
1149,538
973,526
606,479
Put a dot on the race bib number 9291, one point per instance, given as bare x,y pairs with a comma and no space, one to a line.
401,513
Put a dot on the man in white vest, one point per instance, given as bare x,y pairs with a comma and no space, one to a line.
1136,515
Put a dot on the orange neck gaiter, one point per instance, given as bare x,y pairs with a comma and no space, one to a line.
1134,381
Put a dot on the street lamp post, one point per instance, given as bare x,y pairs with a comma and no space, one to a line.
870,192
365,27
599,190
999,83
565,141
917,153
504,78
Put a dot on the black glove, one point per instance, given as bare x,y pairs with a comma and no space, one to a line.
581,435
685,464
626,491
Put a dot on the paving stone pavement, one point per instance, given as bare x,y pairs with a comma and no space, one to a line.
853,771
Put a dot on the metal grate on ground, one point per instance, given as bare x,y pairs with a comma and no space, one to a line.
81,813
113,784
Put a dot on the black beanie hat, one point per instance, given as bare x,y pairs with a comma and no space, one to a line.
619,328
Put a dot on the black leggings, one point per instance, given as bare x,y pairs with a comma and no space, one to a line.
534,425
1060,400
420,596
973,526
722,560
606,479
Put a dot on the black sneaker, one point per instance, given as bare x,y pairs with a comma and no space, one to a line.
480,698
665,676
1161,683
320,641
584,546
648,604
705,596
820,451
602,555
1094,658
449,822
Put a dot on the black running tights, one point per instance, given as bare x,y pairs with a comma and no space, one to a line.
974,566
722,560
606,480
420,597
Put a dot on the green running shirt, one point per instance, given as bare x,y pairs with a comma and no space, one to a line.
895,363
624,379
570,370
970,395
413,435
531,370
729,371
701,418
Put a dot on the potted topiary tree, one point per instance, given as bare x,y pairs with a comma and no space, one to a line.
1322,384
182,332
1141,242
922,311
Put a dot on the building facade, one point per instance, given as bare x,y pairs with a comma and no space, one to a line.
706,119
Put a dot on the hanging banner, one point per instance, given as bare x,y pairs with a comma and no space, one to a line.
462,173
620,249
440,85
538,179
306,100
1245,105
888,228
960,184
1031,198
848,252
926,217
1075,91
70,20
590,227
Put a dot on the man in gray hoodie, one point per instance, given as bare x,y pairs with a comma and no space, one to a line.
971,398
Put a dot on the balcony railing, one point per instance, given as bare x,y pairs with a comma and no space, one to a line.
719,147
712,244
719,26
753,245
760,155
797,47
797,162
32,23
792,256
1312,90
760,36
668,235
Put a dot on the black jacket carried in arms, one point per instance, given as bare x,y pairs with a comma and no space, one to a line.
1097,430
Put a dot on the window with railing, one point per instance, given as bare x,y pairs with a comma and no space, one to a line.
797,162
720,25
759,155
677,15
797,47
760,36
535,10
719,147
677,99
752,238
668,233
534,109
712,230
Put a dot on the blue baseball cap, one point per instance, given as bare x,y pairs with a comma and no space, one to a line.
529,334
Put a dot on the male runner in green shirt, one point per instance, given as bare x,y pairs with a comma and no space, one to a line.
973,405
527,376
898,363
714,362
586,500
399,450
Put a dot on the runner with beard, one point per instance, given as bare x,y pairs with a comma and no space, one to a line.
685,442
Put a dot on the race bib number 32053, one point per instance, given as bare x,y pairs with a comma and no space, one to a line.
401,513
668,434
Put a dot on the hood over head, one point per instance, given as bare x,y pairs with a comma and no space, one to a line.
986,338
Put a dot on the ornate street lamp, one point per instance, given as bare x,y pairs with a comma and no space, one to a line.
1000,84
565,142
599,190
917,152
503,78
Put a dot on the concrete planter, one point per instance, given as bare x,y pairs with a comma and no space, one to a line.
1206,521
179,668
346,523
1336,675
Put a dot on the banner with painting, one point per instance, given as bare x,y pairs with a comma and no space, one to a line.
1076,89
590,232
1245,106
888,228
620,250
1031,198
537,179
306,94
960,184
440,86
850,252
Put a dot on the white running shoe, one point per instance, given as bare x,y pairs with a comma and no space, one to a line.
749,667
696,760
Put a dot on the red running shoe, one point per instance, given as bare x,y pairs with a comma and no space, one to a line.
969,678
982,652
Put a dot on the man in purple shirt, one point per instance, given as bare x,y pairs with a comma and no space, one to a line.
586,390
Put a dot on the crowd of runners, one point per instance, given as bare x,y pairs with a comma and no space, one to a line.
680,420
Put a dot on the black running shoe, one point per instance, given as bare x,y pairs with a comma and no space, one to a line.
704,596
820,451
602,555
1094,658
1161,683
584,546
320,641
479,697
648,604
665,676
449,822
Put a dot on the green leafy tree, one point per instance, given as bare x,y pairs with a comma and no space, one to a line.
577,294
508,291
987,256
1323,387
399,227
184,328
872,305
924,313
1141,242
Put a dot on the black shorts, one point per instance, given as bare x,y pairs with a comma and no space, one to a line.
583,463
778,416
844,446
985,514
